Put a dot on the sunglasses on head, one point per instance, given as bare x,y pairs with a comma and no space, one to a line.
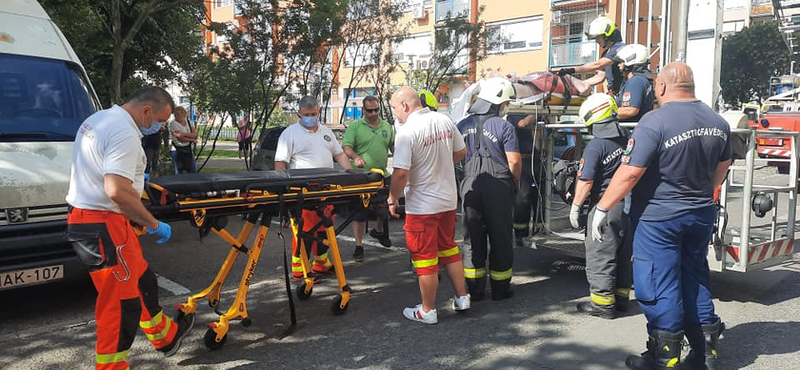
372,110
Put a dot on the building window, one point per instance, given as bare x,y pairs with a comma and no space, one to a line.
223,3
413,48
361,9
732,26
446,9
517,35
364,54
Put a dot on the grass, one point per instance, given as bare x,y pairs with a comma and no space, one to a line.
220,153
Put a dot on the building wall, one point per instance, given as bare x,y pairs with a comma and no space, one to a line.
498,12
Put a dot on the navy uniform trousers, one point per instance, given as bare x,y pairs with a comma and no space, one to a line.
670,270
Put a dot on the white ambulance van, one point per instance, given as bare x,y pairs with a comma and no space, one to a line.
44,97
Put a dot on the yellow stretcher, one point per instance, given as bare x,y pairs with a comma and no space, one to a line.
207,199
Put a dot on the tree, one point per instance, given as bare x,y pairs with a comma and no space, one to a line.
115,39
456,42
363,45
749,59
270,60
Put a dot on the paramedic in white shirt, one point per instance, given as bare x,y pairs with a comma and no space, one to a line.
307,144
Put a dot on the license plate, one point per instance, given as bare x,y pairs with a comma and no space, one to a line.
13,279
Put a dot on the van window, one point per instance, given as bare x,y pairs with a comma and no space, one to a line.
42,99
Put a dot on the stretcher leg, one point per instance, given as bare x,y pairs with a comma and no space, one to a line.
340,302
212,292
217,331
305,289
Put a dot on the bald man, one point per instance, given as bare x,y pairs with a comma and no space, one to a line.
677,156
427,147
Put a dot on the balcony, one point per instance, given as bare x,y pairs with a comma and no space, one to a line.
564,53
446,9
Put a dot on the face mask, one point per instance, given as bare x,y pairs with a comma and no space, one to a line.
153,128
309,122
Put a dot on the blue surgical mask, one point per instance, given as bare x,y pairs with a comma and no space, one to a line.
153,128
309,122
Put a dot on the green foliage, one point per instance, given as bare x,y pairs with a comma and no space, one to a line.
456,41
749,59
165,41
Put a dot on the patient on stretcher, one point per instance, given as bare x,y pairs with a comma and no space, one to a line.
567,90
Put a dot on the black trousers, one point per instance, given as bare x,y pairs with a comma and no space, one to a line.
488,204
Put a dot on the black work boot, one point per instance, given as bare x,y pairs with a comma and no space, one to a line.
703,342
622,299
591,309
476,288
663,352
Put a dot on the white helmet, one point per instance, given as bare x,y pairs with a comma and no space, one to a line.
633,55
497,90
598,108
602,26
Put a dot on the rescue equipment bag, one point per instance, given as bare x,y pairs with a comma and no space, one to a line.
565,174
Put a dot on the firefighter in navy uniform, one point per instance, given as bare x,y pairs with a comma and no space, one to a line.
608,266
491,174
526,203
674,160
636,97
605,32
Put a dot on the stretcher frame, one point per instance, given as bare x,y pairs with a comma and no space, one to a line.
208,215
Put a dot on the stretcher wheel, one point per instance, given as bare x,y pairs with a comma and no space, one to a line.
336,305
210,340
301,292
247,322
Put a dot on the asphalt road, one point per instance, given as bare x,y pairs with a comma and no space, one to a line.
52,327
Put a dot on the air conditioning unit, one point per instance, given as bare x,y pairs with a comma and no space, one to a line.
423,64
557,17
418,11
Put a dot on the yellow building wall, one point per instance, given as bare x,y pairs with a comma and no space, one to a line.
521,62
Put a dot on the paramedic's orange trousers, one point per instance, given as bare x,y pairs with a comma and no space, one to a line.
127,290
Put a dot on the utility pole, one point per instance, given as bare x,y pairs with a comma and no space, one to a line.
472,72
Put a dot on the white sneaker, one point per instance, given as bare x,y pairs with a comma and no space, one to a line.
416,314
462,303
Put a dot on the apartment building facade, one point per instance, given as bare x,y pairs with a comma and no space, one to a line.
522,46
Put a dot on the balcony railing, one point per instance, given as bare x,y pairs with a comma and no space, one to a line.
446,9
563,53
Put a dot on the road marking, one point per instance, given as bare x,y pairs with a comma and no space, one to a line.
171,286
363,242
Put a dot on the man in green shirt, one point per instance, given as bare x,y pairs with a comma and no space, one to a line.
367,143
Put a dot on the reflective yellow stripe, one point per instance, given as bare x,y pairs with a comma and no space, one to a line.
112,358
521,226
162,334
500,275
624,292
474,273
672,362
321,257
714,352
296,259
603,300
153,322
425,263
449,252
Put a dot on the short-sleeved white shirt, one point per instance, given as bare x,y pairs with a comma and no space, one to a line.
303,148
108,142
176,126
424,146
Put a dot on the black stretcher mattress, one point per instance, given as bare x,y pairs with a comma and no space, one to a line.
263,180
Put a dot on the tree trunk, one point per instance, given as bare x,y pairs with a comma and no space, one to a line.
118,54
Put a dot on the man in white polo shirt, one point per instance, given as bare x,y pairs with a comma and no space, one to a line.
307,144
105,189
427,147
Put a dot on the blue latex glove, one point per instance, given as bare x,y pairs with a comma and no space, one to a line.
146,178
163,230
